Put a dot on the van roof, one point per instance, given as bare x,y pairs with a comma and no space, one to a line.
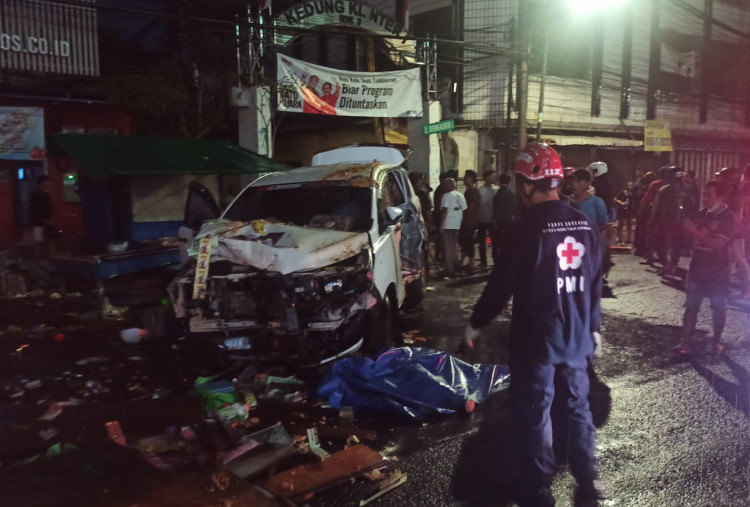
364,173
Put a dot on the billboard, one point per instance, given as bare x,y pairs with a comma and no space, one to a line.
307,88
22,133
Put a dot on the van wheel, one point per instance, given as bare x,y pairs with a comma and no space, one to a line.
381,326
414,294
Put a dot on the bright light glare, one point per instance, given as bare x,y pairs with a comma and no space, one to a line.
587,6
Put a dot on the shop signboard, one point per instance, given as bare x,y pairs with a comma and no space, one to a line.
657,136
22,133
49,36
307,88
363,16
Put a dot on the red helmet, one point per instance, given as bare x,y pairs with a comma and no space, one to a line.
537,161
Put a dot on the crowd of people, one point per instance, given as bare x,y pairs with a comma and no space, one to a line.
555,272
676,218
461,223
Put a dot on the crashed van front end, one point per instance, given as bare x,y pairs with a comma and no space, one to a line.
276,291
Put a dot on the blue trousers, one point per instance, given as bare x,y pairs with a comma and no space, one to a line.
532,391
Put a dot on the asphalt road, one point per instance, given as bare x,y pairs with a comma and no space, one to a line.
672,432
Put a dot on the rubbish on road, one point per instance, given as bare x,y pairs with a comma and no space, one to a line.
315,448
155,461
112,311
233,412
59,337
352,440
275,446
304,480
394,481
221,479
115,433
215,394
237,452
92,360
52,412
270,379
48,434
410,381
59,448
34,384
133,335
159,444
13,329
346,413
55,295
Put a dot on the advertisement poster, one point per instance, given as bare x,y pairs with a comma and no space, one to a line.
22,133
657,136
307,88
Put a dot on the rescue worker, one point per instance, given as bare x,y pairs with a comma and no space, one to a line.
553,271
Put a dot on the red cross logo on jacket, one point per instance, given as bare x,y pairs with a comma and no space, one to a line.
570,253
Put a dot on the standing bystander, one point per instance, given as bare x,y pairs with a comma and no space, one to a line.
467,234
43,218
452,207
732,178
708,275
486,194
624,212
503,214
553,273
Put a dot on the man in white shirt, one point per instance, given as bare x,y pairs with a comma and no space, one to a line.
486,195
452,208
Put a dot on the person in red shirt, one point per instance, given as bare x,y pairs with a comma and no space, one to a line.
329,99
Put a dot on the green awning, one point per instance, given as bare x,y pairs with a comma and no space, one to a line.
106,155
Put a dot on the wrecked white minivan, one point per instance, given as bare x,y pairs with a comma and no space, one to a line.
307,265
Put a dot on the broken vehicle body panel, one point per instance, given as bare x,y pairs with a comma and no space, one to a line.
297,260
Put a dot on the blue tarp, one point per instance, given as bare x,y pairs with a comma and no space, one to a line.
410,381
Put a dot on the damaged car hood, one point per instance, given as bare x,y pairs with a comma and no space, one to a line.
277,247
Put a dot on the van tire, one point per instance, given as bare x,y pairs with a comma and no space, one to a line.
381,326
414,294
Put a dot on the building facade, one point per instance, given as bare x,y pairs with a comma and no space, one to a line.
607,72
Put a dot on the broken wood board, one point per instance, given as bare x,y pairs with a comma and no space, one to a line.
306,479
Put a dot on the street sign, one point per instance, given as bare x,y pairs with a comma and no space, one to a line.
438,127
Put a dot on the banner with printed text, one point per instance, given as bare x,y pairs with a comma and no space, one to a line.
22,133
307,88
657,136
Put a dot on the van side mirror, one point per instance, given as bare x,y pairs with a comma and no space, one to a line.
393,215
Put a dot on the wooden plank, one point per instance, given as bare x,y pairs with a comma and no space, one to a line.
339,467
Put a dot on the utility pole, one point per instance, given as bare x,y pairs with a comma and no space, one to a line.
540,107
522,55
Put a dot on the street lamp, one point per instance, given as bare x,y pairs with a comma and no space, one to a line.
577,7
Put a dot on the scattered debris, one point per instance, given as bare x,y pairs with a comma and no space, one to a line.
394,481
48,434
221,479
314,443
301,481
115,433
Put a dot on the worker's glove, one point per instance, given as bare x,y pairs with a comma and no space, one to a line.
470,334
598,352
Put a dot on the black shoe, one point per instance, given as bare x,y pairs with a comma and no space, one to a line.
590,493
542,497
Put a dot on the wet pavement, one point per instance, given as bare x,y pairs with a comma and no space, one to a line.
672,431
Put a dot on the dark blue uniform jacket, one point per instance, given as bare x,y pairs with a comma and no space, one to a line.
551,265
